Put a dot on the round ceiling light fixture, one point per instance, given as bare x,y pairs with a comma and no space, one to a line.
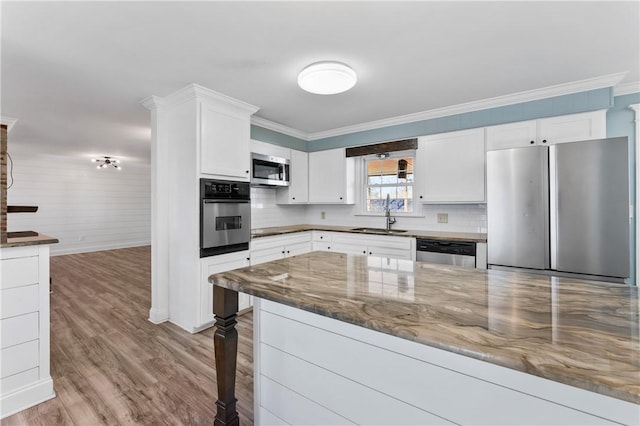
327,78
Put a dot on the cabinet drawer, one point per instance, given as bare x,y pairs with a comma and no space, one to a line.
18,358
20,329
265,243
13,252
16,381
19,271
320,236
19,300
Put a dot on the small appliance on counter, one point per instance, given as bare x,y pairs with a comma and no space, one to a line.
267,170
225,217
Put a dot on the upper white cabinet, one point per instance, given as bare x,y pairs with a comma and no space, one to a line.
224,140
270,149
298,190
450,167
331,177
548,131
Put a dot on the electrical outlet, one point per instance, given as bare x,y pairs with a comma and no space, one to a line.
323,215
443,217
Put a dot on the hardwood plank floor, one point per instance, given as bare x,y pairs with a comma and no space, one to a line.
111,366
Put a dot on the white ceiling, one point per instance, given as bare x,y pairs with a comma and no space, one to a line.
74,73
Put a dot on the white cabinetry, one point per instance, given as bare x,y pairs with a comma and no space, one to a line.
265,148
321,241
548,131
224,140
214,265
298,190
196,133
450,167
374,245
25,378
266,249
331,177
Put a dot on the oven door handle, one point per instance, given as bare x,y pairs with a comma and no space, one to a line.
210,201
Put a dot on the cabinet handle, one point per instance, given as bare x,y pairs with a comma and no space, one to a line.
369,253
341,198
248,258
321,237
532,142
544,141
288,252
364,252
293,198
328,248
246,171
282,251
421,197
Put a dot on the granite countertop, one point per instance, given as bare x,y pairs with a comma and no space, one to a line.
436,235
33,239
581,333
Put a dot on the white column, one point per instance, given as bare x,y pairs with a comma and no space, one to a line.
159,311
636,108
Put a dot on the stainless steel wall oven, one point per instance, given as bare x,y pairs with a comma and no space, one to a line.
225,217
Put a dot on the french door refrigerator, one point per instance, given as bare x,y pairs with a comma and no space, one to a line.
562,208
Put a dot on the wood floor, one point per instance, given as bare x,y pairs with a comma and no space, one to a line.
111,366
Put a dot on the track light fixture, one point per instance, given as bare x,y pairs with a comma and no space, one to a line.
106,161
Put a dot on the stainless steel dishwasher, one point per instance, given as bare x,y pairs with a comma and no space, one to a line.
458,253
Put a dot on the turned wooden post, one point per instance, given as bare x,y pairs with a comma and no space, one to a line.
225,342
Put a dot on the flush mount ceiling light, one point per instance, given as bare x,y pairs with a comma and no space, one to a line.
327,78
105,162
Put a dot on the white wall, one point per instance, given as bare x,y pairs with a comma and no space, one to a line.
85,208
266,213
462,218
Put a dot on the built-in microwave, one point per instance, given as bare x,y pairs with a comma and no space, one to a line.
267,170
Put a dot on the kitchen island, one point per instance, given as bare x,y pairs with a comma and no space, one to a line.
25,378
343,339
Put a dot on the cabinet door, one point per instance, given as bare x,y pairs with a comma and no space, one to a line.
267,255
512,135
296,249
574,127
451,167
298,190
224,143
327,177
350,248
213,265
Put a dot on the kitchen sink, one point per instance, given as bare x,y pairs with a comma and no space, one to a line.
379,230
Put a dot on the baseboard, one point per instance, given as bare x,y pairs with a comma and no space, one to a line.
158,316
26,397
58,250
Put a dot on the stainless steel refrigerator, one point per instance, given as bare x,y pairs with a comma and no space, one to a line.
562,208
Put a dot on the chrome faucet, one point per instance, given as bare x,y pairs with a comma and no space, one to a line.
387,214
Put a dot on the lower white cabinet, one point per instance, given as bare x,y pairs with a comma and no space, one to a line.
214,265
374,245
321,241
266,249
25,378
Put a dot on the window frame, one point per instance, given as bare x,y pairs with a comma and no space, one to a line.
362,183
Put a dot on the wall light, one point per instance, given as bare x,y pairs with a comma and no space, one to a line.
327,78
105,162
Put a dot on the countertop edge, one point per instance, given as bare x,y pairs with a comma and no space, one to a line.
29,241
435,235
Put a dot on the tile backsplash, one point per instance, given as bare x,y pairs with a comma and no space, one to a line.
460,217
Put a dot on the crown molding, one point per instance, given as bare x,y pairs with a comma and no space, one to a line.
280,128
635,107
626,88
609,80
9,122
152,102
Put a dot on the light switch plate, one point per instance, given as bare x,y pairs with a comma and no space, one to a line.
443,217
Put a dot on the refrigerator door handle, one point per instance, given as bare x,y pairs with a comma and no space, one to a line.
554,207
